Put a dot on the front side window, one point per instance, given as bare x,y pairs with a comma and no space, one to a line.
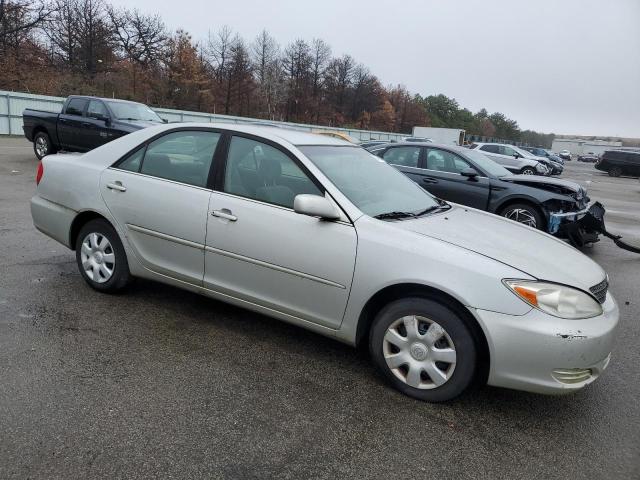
504,150
261,172
403,156
97,109
371,184
183,157
445,161
76,106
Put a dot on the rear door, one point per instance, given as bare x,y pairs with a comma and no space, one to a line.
442,176
258,249
159,197
70,128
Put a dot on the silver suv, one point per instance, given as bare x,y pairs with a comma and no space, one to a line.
511,159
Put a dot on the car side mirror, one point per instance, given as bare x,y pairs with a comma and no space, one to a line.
470,173
516,155
315,206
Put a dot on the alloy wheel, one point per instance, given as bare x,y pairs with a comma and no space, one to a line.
98,258
42,146
521,215
419,352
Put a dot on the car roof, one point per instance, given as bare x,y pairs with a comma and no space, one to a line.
294,137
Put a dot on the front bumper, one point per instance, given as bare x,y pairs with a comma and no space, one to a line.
571,225
540,353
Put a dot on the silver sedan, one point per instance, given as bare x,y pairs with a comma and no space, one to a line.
318,232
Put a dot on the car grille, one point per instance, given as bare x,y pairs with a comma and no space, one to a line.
600,290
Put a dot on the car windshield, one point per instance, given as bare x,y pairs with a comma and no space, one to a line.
133,111
486,164
369,182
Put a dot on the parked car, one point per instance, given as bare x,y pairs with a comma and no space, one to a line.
417,139
588,157
468,177
511,159
565,154
541,152
84,123
324,235
620,162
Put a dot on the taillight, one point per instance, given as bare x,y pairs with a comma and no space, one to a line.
39,172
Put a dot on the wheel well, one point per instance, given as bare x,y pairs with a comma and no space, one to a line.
79,222
405,290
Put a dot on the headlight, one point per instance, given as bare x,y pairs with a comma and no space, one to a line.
557,300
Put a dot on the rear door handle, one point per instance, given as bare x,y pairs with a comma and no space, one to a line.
224,213
116,186
429,180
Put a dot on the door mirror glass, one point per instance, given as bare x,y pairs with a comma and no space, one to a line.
315,206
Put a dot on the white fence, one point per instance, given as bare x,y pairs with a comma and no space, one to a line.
12,104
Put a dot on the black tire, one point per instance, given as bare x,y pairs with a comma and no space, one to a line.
528,171
519,212
464,371
120,276
615,171
42,145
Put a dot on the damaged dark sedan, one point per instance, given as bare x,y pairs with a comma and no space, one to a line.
470,178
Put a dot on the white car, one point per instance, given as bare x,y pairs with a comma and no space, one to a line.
512,159
313,231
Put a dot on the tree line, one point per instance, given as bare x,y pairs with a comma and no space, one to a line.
62,47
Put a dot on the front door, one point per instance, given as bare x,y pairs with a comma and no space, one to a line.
159,197
442,177
70,129
96,131
259,250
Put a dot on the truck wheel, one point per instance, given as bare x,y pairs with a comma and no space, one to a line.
42,145
615,172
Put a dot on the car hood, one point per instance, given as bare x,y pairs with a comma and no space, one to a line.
523,248
563,186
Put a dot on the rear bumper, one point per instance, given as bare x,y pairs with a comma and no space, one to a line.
52,219
543,354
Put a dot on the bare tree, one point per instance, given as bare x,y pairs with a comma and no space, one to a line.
19,18
264,58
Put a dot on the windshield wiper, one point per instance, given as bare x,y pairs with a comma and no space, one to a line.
393,215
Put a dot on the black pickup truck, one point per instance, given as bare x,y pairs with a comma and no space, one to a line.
85,123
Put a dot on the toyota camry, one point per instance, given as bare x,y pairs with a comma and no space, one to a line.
318,232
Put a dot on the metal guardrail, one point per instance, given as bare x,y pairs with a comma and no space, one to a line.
12,104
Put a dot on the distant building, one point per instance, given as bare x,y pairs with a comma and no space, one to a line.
579,146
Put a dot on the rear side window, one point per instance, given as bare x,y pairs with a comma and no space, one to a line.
489,148
133,162
76,106
403,156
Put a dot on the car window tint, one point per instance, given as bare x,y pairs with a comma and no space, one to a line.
133,161
97,109
261,172
76,106
404,156
181,156
445,161
489,148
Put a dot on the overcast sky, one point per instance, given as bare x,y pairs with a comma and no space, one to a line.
562,66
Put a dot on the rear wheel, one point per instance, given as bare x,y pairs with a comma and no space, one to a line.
615,171
528,171
42,145
523,213
101,257
423,349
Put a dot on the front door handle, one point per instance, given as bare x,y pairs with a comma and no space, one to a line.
224,213
430,180
116,186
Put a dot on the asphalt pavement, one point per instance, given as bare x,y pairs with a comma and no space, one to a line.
162,383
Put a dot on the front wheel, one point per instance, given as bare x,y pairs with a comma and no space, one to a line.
42,145
528,171
101,257
423,349
523,213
